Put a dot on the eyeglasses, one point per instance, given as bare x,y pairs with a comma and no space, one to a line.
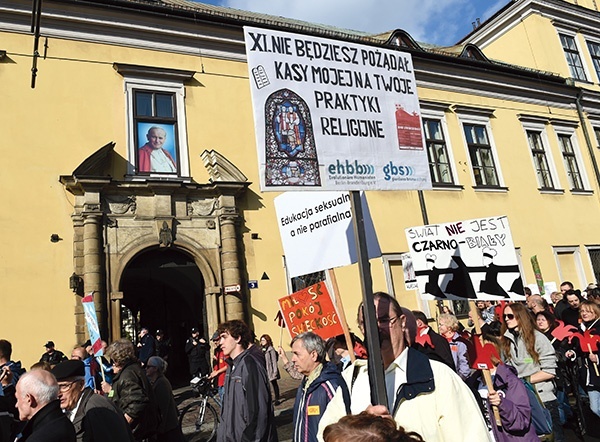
386,321
66,386
509,316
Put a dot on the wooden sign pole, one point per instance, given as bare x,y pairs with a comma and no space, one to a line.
341,314
486,372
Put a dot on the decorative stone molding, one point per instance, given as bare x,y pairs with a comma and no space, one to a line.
202,208
220,168
120,205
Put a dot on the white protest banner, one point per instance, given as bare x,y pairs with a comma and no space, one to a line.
471,259
332,115
316,231
91,320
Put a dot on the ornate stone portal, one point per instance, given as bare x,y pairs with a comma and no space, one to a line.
115,221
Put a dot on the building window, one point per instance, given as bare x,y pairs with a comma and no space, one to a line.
573,57
597,133
301,282
156,122
540,160
570,159
595,54
155,125
437,152
480,152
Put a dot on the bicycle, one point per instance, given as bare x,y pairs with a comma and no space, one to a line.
199,420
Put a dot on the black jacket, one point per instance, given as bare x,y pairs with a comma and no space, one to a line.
48,425
133,394
98,419
197,355
441,349
247,411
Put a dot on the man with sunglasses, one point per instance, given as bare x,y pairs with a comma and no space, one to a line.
94,417
424,396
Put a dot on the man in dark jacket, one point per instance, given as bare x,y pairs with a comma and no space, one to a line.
131,391
38,404
321,379
435,347
197,348
52,356
247,411
95,417
146,346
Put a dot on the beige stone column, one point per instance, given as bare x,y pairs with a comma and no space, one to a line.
93,264
230,262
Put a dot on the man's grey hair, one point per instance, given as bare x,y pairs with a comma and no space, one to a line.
158,362
43,388
312,342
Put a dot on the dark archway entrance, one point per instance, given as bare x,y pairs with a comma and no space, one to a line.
164,289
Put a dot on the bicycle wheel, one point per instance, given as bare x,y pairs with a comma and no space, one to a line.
199,425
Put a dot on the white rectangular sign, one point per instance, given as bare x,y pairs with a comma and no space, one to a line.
332,115
317,232
471,259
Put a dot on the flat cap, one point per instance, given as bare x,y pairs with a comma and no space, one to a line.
68,369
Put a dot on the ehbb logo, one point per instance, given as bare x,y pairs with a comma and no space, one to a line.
390,170
350,168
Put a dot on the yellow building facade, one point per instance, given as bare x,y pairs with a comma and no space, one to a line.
182,244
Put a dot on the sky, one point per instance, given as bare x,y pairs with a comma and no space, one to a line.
440,22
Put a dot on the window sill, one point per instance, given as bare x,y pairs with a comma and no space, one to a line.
552,191
581,192
451,187
490,189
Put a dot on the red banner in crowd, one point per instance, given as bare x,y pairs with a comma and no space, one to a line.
311,309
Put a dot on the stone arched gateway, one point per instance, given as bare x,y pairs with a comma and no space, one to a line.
116,220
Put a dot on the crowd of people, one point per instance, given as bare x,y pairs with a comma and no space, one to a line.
543,362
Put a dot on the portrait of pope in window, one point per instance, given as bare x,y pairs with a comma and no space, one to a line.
159,153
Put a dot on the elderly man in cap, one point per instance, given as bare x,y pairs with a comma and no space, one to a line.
38,404
94,417
196,349
52,356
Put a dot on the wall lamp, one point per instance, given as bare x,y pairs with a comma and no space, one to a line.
76,283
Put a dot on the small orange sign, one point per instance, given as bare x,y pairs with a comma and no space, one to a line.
311,309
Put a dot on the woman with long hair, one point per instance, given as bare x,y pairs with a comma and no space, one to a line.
590,320
531,353
271,356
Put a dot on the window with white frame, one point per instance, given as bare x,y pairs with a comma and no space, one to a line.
481,154
437,151
156,122
573,57
569,264
535,138
571,161
594,49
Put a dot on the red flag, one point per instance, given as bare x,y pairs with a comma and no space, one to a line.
484,353
279,319
563,331
424,339
587,341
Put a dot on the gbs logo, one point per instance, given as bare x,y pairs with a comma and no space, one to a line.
390,170
350,168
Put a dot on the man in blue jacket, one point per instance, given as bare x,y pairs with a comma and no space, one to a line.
321,380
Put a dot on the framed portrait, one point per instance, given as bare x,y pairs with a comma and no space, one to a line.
157,150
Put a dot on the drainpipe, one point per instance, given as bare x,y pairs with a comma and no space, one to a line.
423,207
586,134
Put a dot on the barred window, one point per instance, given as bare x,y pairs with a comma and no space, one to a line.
437,152
573,57
570,159
595,54
540,160
482,158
